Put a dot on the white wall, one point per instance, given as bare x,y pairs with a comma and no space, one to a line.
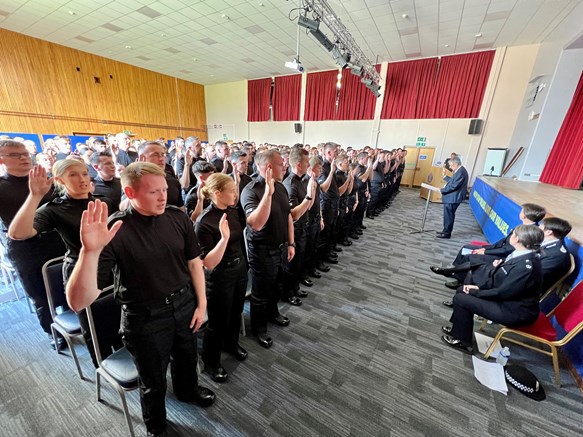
227,106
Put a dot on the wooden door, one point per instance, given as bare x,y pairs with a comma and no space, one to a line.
410,165
424,165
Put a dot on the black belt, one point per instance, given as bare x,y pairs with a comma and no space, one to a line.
231,263
173,296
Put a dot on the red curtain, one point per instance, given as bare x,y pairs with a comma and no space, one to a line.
287,93
258,92
356,101
404,85
321,96
564,166
461,83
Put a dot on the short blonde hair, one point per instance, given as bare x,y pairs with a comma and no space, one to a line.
133,173
215,182
59,169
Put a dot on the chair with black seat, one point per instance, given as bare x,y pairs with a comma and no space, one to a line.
65,321
118,368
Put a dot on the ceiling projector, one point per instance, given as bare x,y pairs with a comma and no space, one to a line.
295,65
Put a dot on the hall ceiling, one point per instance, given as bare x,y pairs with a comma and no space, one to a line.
215,41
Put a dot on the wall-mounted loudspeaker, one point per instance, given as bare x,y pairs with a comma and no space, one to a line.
475,126
298,128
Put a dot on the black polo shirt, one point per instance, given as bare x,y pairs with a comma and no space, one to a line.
110,189
332,193
218,163
275,231
192,199
208,232
297,190
378,175
314,211
340,178
149,255
361,186
63,214
174,192
13,193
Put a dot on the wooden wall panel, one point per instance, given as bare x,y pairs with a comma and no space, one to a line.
41,91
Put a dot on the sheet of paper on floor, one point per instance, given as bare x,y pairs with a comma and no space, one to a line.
490,374
484,342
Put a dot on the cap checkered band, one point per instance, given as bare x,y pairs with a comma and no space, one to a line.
519,385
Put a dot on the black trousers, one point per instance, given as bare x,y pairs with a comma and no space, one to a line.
327,238
153,334
341,221
465,306
225,290
360,209
266,266
449,210
311,258
293,269
375,198
28,257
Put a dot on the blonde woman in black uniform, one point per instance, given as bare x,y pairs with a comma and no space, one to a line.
220,235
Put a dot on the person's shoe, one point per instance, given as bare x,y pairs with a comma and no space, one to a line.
307,282
217,374
457,344
239,353
264,340
358,232
362,226
301,293
446,329
437,270
204,397
280,320
370,216
315,273
294,300
157,433
448,303
453,284
56,345
323,267
354,236
333,254
440,235
337,249
346,242
331,260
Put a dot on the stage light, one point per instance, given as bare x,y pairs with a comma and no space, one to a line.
340,58
366,81
308,23
322,39
355,69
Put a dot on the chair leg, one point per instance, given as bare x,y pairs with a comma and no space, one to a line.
71,348
496,340
98,385
556,366
126,413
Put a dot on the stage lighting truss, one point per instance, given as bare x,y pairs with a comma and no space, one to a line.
345,50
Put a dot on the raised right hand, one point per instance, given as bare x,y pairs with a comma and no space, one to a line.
224,227
94,233
269,182
38,183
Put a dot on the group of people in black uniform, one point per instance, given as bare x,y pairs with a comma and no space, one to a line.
208,217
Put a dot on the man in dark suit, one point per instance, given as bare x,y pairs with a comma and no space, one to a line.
453,194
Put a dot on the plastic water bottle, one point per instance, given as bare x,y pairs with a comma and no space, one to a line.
503,356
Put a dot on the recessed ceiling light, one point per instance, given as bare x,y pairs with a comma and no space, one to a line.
225,16
162,34
405,15
212,75
72,13
128,47
446,45
194,59
478,35
260,4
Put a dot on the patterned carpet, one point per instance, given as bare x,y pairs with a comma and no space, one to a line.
361,357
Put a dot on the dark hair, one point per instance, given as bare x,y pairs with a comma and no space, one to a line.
529,236
559,227
100,142
200,167
238,154
95,157
362,155
533,212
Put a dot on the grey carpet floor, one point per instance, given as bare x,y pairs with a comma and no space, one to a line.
361,357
